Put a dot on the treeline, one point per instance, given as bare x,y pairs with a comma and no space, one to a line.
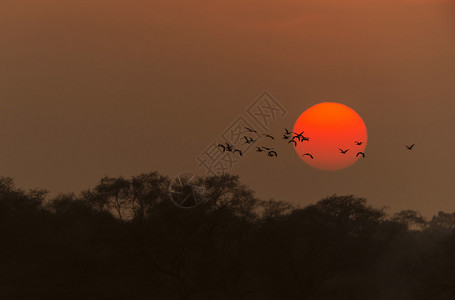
126,239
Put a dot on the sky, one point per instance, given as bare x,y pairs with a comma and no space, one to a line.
92,88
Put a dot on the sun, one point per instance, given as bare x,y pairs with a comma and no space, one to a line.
331,127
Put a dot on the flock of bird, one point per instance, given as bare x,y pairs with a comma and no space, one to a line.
292,137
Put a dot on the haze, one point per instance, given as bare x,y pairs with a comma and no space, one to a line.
95,88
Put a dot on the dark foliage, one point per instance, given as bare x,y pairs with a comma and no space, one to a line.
125,239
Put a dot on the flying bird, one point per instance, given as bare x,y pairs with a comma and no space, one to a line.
269,136
222,146
409,147
288,132
259,149
298,136
272,153
311,156
250,130
305,138
237,150
343,151
249,140
358,143
293,141
229,147
285,137
360,153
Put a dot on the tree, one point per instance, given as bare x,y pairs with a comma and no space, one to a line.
128,199
410,219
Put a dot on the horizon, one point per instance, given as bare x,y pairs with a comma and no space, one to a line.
92,89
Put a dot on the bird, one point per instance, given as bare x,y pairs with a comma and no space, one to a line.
229,147
259,149
298,136
293,141
237,150
287,132
272,153
305,138
269,136
222,146
249,140
409,147
250,130
343,151
285,137
360,153
311,156
358,143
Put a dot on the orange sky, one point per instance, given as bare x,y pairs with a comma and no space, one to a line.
94,88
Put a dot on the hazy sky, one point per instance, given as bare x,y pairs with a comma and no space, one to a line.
93,88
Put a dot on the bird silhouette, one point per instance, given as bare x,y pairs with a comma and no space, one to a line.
269,136
311,156
298,136
410,147
222,146
250,130
287,132
293,141
237,150
229,147
272,153
360,153
285,137
358,143
305,138
343,151
248,140
259,149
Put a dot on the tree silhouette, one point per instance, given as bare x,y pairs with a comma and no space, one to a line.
126,239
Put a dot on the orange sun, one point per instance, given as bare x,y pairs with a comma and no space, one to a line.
330,127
